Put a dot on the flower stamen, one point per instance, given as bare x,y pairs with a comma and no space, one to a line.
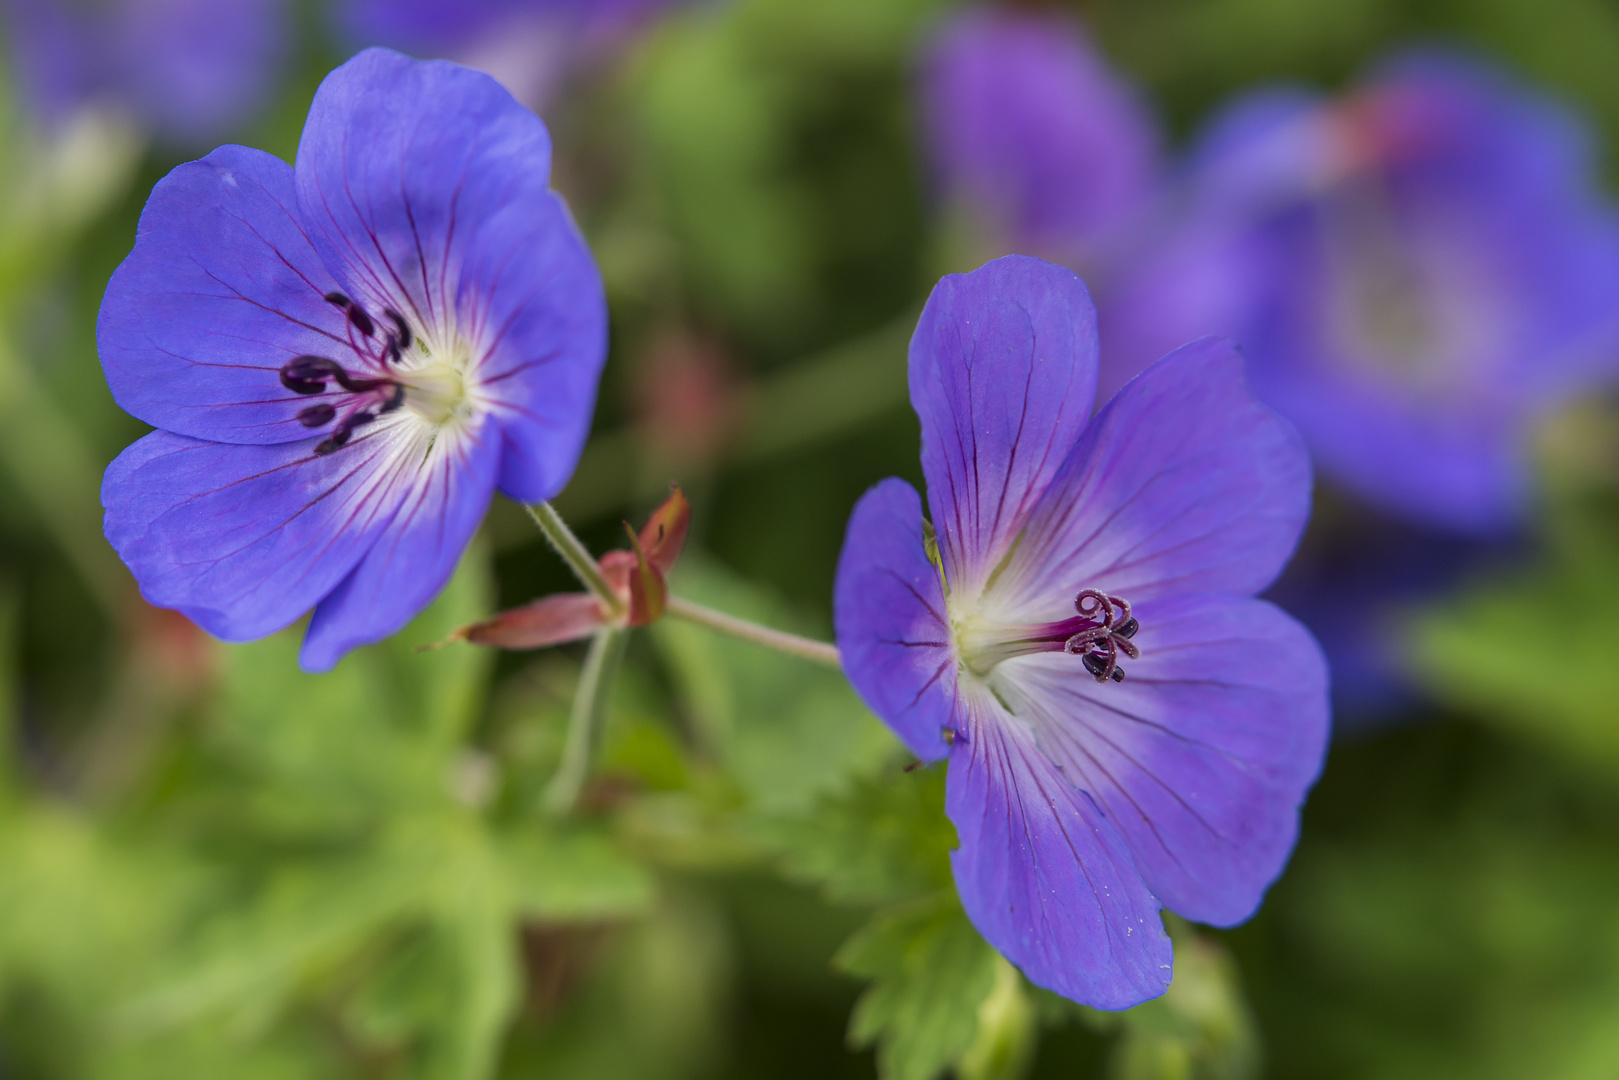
1099,646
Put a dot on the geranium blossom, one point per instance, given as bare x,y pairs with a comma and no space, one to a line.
1027,124
345,358
1127,728
191,68
1419,271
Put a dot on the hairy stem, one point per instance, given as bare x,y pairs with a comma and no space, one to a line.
575,554
820,651
585,722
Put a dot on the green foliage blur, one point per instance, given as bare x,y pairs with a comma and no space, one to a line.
212,865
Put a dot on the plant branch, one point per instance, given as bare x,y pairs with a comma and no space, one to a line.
809,649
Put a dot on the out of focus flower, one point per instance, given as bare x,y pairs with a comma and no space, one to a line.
531,46
1027,126
188,68
344,359
1069,549
1418,272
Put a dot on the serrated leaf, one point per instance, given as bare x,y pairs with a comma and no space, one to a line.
1201,1029
878,840
785,728
930,972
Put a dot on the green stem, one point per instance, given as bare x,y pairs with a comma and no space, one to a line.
575,554
586,721
809,649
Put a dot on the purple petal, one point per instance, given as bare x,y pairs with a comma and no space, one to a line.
1003,375
1042,873
222,289
244,539
426,187
401,165
1023,114
1182,484
443,499
1202,756
542,332
892,629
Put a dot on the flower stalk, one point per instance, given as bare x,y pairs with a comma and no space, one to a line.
575,554
806,648
586,721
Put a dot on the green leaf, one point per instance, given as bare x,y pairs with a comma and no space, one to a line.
379,730
931,972
1473,653
1201,1029
785,729
878,840
573,876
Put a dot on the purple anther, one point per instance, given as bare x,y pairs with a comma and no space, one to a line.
317,415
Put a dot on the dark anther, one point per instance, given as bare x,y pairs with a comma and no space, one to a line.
340,434
1099,647
396,398
308,374
317,415
404,327
339,299
362,322
393,351
1096,664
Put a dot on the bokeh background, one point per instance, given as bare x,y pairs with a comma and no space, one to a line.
212,865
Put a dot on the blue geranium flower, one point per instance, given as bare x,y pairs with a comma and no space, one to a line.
1418,273
1127,728
1026,124
190,68
531,46
345,358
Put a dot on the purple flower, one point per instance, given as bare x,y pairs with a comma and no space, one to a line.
531,46
1127,728
1025,122
345,358
190,68
1417,272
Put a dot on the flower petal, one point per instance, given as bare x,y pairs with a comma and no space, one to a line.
1182,484
222,289
400,164
892,630
1003,375
446,484
1042,873
426,187
1202,756
244,539
535,312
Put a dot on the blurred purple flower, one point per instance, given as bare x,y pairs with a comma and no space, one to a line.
531,46
345,358
1417,273
1084,803
189,68
1025,122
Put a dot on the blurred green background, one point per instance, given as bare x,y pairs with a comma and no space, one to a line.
212,865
